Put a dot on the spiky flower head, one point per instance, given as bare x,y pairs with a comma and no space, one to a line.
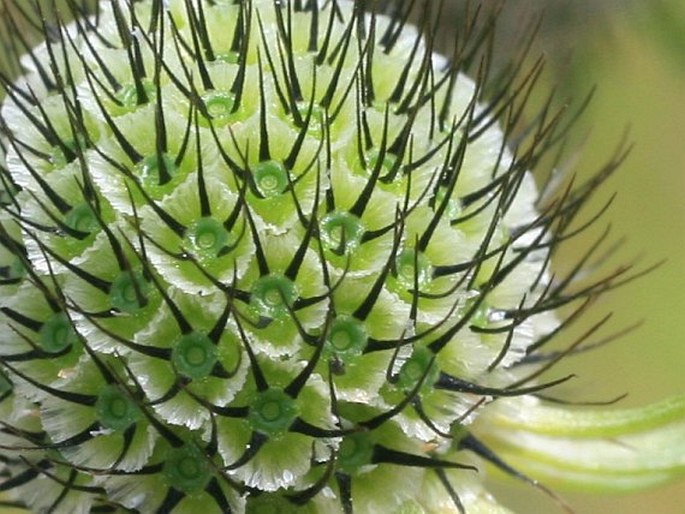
264,256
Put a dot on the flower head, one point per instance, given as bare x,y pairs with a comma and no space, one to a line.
264,256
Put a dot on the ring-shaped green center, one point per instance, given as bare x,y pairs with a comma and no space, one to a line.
194,355
316,118
454,210
6,196
130,99
273,295
228,57
57,156
115,409
208,237
219,105
270,504
413,269
347,337
57,333
82,219
151,172
271,178
272,412
129,291
186,469
389,161
420,364
356,451
341,232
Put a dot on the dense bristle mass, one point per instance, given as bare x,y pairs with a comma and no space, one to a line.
266,254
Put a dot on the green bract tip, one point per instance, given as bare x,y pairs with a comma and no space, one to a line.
186,469
347,337
272,295
57,333
115,409
194,355
129,291
272,412
271,178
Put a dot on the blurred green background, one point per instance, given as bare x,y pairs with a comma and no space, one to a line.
634,52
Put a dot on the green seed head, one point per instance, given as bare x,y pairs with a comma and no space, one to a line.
356,451
155,170
412,269
130,96
418,368
5,386
13,271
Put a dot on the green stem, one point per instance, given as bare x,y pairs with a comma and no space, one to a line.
588,448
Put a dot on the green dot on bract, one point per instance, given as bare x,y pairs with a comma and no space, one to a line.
219,105
14,271
131,98
5,384
115,409
228,57
389,161
420,364
272,411
207,237
356,451
57,333
186,469
271,178
129,291
155,171
341,232
273,295
413,269
346,337
194,355
271,504
82,219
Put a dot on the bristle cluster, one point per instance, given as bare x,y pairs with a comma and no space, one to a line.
262,256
